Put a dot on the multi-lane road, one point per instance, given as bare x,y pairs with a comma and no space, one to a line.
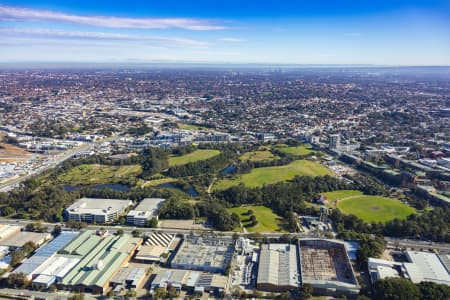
391,242
11,184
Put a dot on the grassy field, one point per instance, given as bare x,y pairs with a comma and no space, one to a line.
193,127
337,195
156,182
98,174
200,154
374,208
270,175
297,150
268,221
258,156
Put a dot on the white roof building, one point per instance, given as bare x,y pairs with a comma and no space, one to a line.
144,211
426,266
92,210
422,266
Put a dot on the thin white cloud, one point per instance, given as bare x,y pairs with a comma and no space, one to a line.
9,13
231,40
64,34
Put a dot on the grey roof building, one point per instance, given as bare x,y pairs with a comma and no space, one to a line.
93,210
278,268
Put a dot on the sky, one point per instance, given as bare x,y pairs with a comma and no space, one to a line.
394,32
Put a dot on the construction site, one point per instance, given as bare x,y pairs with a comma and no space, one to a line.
326,266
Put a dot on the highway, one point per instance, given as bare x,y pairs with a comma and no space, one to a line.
417,245
11,184
28,294
391,242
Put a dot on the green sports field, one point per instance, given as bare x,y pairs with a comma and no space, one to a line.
374,208
268,221
258,156
270,175
297,150
98,174
337,195
200,154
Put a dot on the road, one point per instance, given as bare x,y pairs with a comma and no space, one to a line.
417,245
27,294
11,184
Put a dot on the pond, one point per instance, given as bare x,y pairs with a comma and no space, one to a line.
229,170
112,186
191,191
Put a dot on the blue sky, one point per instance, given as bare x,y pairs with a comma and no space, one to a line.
392,32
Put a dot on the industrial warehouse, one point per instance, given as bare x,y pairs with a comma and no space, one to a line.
278,268
322,263
326,266
210,254
98,262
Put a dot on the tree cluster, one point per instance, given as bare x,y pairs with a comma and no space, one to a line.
402,289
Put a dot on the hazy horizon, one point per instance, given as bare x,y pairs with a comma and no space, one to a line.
385,33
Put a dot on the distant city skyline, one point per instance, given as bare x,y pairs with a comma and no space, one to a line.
265,32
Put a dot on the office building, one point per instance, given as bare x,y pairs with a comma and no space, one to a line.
144,211
93,210
335,141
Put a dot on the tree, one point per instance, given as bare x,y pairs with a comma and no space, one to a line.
75,224
110,294
173,293
152,223
56,230
16,257
307,290
130,294
136,233
395,289
285,296
433,291
78,296
159,293
17,280
120,232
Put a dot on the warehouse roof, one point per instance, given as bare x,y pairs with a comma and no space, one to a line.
45,252
426,266
20,238
278,265
101,261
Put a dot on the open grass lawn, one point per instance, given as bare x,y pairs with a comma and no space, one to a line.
193,127
297,150
156,182
200,154
98,174
374,208
258,156
338,195
268,221
270,175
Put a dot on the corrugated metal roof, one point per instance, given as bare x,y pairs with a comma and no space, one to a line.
87,245
74,244
101,262
45,252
